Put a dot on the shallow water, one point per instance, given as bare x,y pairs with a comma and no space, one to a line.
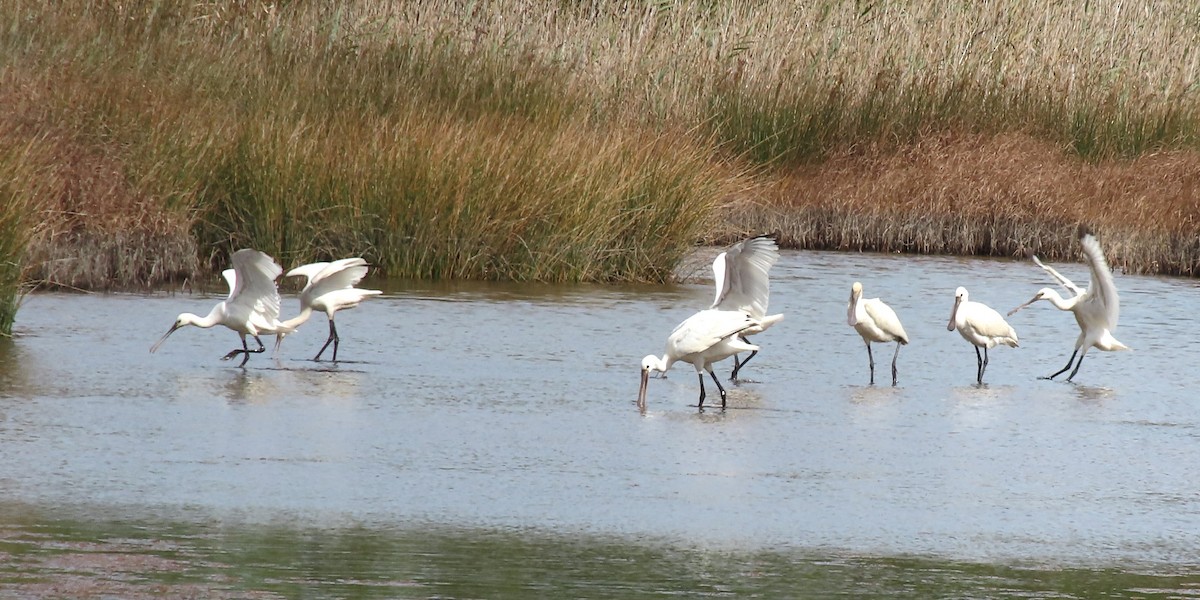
479,439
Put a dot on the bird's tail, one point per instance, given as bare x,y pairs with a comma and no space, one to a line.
1110,343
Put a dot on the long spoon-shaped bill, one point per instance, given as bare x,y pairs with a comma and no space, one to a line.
641,402
1014,311
850,316
164,338
953,314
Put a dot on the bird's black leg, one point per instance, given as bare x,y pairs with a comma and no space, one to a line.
718,382
894,357
700,404
246,351
1064,369
237,351
332,339
978,366
336,339
1072,375
871,360
738,366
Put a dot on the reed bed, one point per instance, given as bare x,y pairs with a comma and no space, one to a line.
1008,195
564,141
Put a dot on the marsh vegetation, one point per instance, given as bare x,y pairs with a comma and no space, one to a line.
562,141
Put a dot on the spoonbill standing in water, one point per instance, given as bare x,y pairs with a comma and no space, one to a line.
740,275
252,307
330,288
1095,309
979,324
704,338
875,322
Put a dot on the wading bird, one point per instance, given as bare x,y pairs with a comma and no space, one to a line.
1095,309
740,275
979,324
875,322
252,307
706,337
330,288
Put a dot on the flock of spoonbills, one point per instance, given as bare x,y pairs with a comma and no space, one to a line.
739,310
252,307
741,276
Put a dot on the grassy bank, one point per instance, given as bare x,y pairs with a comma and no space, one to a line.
530,139
1005,195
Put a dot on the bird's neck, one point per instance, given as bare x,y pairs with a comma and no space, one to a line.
212,318
294,322
1062,303
665,363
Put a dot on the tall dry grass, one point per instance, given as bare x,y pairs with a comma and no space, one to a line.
314,132
537,139
1008,195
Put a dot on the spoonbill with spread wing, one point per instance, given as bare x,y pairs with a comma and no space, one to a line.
1095,309
740,275
252,307
330,288
706,337
875,322
979,324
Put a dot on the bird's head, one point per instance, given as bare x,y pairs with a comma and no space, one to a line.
855,294
960,296
1041,294
650,363
183,320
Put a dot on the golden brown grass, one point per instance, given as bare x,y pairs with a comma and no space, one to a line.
1006,195
546,140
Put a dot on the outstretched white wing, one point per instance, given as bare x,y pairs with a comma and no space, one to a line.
324,278
1066,283
741,276
254,283
1101,286
231,278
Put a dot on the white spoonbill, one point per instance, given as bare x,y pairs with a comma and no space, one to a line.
330,288
1095,309
706,337
740,275
875,322
979,324
252,307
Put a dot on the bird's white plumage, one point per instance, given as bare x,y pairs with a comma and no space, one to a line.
1096,309
979,323
1102,287
702,339
983,327
741,276
330,285
704,333
1066,283
741,281
329,288
874,320
252,306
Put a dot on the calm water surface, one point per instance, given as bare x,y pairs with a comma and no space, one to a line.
481,440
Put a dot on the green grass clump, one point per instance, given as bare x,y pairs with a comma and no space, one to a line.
15,223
